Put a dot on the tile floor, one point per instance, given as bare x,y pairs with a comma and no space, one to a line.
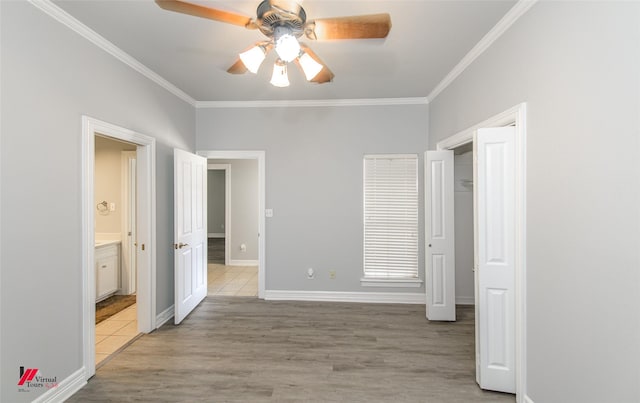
232,280
114,333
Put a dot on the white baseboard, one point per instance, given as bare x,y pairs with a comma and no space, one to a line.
527,399
215,235
234,262
164,316
465,300
336,296
66,388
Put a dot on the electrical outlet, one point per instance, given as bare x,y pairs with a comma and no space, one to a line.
332,274
310,273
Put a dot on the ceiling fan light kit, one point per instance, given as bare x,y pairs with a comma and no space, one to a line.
253,58
280,77
284,22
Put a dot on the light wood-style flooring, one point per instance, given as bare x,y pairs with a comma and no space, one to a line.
233,349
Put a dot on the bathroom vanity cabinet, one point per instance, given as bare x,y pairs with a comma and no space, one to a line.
107,258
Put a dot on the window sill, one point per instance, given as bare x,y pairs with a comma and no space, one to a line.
391,282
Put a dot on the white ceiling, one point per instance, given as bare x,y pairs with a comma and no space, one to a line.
427,39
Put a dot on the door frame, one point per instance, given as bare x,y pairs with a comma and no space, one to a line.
514,116
128,209
146,215
260,156
227,207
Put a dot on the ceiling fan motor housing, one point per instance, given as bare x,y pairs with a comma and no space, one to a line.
274,14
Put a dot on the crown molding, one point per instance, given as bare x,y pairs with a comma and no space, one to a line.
521,7
48,7
306,103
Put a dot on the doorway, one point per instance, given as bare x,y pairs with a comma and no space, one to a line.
144,231
115,257
485,206
233,206
239,255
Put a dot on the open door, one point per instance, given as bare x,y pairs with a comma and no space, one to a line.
190,223
495,258
440,238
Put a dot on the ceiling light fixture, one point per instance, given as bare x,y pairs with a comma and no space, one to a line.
253,58
310,67
283,22
287,45
280,77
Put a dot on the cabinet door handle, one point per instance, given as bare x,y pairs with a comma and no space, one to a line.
104,266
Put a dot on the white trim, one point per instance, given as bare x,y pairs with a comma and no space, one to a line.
227,208
517,115
164,316
215,235
48,7
128,212
260,156
146,282
521,7
337,296
390,282
66,388
237,262
306,103
527,399
465,300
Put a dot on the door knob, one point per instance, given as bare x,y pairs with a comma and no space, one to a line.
180,245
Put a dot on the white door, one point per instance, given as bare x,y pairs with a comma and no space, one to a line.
440,238
190,222
495,258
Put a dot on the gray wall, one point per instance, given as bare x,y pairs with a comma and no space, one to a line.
463,192
244,208
215,201
51,77
314,182
577,65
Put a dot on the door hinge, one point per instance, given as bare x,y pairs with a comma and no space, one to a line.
142,246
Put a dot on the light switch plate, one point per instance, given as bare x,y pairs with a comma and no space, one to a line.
268,212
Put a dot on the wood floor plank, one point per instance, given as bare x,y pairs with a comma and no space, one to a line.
234,349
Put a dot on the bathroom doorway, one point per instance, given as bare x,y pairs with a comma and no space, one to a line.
115,235
105,273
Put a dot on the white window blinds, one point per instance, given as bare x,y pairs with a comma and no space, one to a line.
391,216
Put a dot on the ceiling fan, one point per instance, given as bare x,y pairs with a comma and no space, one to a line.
283,22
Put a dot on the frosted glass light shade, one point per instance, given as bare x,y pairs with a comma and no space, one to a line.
310,67
287,47
280,77
253,58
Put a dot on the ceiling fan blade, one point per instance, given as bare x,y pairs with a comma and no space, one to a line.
237,68
325,75
196,10
356,27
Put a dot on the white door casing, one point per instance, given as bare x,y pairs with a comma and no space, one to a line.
440,238
129,236
190,223
494,171
146,225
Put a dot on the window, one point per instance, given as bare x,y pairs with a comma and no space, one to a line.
390,219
